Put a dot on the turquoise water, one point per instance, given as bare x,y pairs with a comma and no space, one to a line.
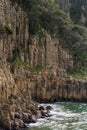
65,116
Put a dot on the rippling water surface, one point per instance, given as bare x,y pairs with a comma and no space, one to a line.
65,116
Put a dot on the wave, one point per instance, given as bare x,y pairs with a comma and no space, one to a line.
65,116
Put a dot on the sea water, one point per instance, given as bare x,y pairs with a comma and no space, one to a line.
65,116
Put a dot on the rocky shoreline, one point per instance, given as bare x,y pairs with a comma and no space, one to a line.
16,113
18,96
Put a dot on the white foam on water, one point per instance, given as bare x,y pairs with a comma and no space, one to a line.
38,123
63,119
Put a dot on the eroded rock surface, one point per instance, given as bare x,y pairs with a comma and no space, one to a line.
31,68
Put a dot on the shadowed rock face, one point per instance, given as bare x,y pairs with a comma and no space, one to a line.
77,9
64,5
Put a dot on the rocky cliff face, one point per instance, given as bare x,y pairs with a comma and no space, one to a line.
20,47
64,5
7,85
36,52
21,53
77,9
49,53
27,48
38,49
14,19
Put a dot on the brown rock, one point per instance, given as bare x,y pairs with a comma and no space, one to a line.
10,109
6,124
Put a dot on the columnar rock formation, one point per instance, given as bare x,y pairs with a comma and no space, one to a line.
13,17
20,45
19,50
35,66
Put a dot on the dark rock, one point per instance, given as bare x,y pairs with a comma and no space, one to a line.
48,108
41,108
6,124
18,116
44,114
25,118
32,119
15,125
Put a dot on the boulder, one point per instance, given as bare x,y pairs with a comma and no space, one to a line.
18,115
38,115
25,118
18,124
15,125
48,108
10,109
32,118
41,108
6,124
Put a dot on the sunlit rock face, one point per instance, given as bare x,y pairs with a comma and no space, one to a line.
7,85
49,54
15,20
49,88
17,45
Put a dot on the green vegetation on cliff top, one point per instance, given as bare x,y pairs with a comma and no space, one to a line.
45,14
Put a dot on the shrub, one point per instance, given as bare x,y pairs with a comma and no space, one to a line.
8,30
37,68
